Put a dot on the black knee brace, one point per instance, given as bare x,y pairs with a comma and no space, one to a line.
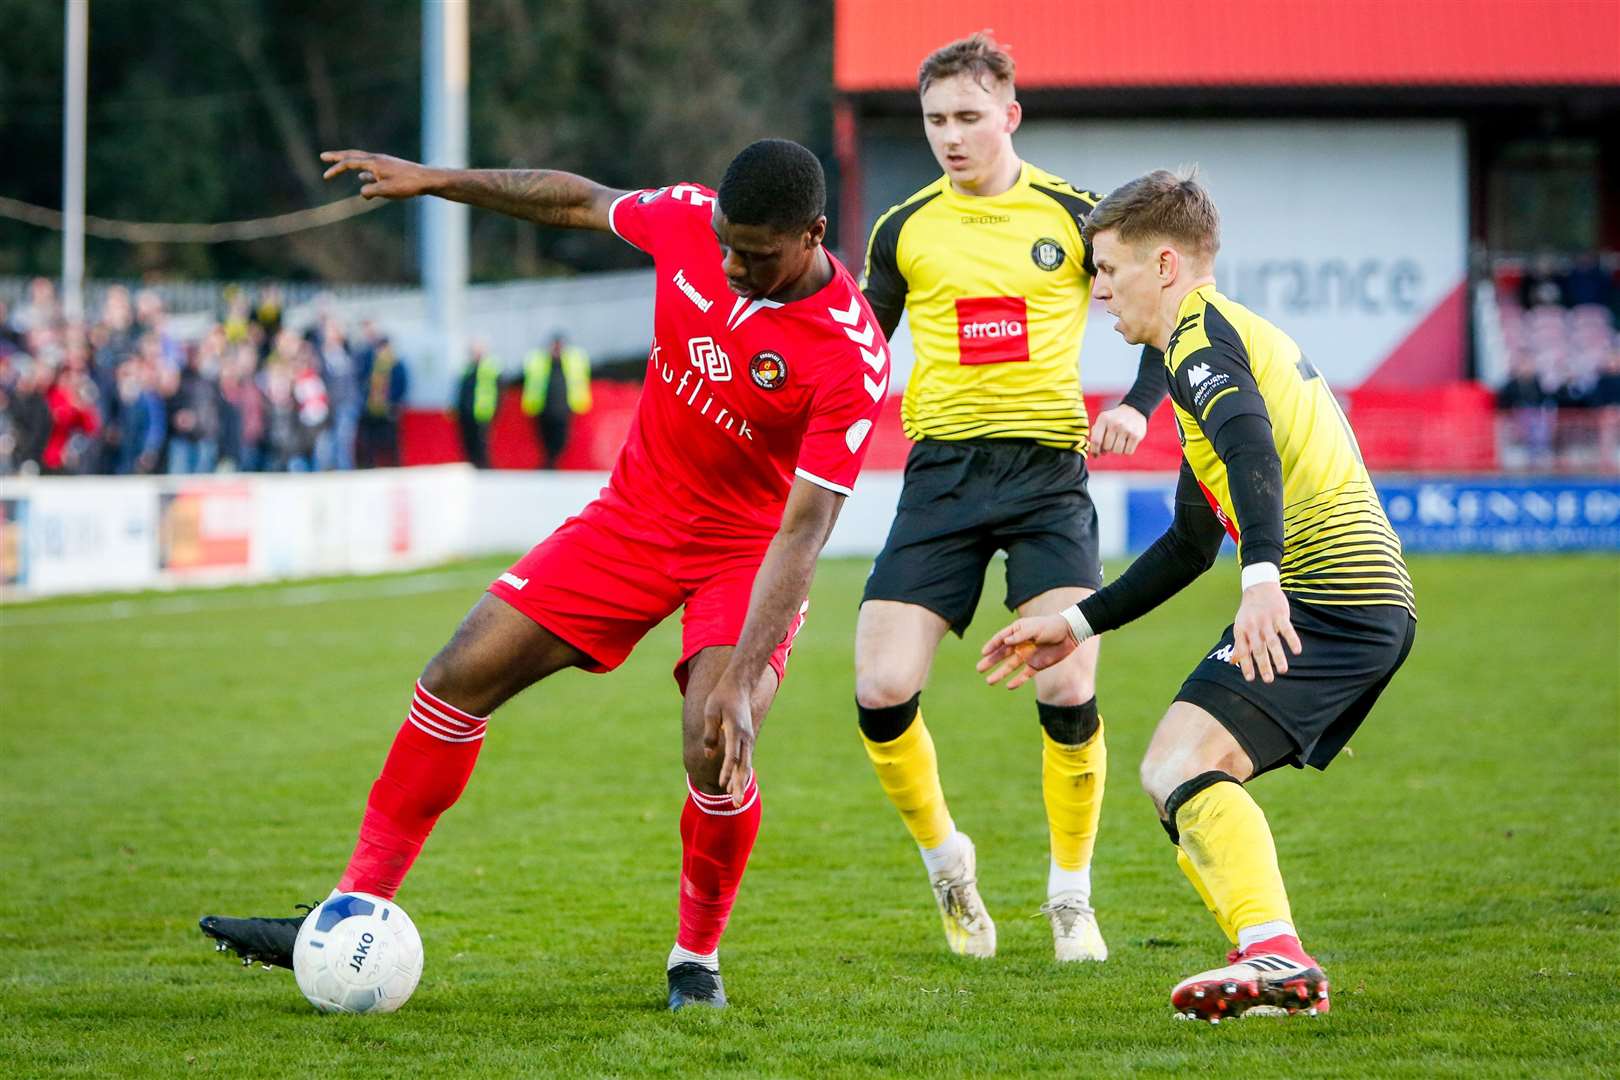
1187,790
1071,725
889,722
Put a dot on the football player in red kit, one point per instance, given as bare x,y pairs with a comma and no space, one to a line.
766,374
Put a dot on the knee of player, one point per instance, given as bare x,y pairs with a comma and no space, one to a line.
438,676
882,689
702,770
1066,686
1159,777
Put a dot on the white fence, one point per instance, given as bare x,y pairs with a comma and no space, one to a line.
91,534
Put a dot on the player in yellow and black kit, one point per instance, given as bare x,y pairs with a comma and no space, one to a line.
1270,458
990,265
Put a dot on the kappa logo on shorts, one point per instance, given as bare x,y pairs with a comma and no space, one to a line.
768,370
1223,654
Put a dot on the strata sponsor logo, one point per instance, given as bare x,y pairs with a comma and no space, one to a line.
709,358
703,302
992,330
1047,253
768,370
692,390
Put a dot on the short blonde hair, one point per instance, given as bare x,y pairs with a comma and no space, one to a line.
1162,205
977,55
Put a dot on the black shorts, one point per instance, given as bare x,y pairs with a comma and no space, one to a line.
1306,716
964,501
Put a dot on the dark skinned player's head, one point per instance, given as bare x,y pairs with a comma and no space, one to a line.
771,216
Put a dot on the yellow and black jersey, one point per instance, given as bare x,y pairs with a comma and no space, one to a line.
1225,361
997,289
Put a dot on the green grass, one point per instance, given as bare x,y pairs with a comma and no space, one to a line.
1456,872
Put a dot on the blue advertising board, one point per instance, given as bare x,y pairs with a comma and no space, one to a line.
1505,515
1455,514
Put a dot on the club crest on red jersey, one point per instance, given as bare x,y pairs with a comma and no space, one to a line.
768,370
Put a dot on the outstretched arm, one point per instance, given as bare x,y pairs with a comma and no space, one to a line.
543,196
780,589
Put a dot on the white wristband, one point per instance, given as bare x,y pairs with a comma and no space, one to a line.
1077,624
1260,573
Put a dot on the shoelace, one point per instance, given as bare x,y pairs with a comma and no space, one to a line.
1067,912
953,894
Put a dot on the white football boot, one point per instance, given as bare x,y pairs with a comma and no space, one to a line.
1075,935
969,930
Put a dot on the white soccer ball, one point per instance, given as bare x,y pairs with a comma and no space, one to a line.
357,953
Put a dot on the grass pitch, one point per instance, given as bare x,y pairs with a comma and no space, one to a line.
167,756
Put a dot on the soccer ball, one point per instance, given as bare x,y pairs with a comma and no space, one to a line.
357,953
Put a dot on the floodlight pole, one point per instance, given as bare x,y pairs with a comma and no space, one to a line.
75,66
443,248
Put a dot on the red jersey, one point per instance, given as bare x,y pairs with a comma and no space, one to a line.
742,395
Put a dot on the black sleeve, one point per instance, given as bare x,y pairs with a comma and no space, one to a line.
1173,562
882,283
1254,477
1152,383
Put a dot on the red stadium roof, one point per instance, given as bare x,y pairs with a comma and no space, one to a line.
1062,44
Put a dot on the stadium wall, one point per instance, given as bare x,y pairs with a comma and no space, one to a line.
1351,235
62,535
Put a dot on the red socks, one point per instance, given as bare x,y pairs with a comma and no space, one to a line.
426,771
716,838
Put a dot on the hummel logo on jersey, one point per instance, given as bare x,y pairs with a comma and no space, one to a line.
864,335
1198,374
709,358
703,303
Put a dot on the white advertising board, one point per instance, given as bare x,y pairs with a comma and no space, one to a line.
1346,234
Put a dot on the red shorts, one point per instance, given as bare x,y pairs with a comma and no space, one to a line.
607,576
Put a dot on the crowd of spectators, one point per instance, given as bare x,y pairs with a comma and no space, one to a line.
1560,401
121,393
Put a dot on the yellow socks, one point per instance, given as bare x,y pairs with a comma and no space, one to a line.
1230,857
1072,779
1203,893
909,772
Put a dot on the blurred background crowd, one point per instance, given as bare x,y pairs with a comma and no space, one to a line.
1560,401
121,392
